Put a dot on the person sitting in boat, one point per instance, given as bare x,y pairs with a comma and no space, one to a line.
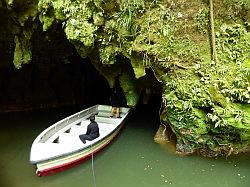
92,131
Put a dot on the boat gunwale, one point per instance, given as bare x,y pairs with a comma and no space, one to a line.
39,137
121,122
61,167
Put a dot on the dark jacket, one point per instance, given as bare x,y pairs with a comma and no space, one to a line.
116,97
93,130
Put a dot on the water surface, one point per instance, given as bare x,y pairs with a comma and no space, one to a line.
132,160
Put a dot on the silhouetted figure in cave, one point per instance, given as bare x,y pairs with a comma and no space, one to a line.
116,99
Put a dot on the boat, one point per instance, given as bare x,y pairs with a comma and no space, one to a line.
59,147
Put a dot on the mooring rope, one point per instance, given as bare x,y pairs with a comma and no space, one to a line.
93,169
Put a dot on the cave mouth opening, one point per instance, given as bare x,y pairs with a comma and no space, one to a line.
150,103
51,81
150,91
150,100
42,86
148,86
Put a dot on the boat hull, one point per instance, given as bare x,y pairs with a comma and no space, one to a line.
65,162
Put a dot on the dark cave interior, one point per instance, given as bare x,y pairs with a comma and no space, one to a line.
58,77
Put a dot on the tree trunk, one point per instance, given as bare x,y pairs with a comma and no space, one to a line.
214,55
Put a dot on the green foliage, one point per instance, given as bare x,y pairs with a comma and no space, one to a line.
213,92
75,17
108,54
202,20
217,117
22,53
233,44
238,2
82,31
129,9
207,105
47,21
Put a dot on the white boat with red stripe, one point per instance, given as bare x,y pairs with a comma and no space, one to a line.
58,147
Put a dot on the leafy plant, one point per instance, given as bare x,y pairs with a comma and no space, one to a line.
233,44
202,20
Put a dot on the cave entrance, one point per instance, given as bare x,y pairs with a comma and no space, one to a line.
57,77
150,103
150,98
70,80
150,91
82,83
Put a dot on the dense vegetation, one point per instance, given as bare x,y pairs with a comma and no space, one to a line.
205,102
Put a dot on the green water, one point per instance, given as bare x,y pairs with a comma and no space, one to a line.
132,160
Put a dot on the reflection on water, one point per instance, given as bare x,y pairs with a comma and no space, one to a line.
132,160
